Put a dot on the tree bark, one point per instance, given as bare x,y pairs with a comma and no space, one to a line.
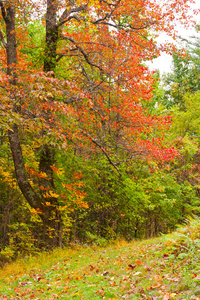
47,152
51,37
49,214
20,170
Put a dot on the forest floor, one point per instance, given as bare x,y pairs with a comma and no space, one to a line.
165,268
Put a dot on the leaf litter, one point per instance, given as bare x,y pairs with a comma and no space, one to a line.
138,270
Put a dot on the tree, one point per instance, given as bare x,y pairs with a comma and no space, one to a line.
185,134
85,91
185,75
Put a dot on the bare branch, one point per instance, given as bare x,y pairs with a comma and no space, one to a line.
111,4
104,152
82,52
66,14
108,15
100,20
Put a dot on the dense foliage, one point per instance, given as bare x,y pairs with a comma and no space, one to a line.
88,150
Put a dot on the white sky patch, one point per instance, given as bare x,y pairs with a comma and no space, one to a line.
164,62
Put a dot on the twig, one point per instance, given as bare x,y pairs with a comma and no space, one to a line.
105,153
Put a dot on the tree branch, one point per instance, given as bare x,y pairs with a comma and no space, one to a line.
104,152
108,15
66,14
83,53
3,11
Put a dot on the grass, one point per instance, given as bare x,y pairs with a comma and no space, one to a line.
161,268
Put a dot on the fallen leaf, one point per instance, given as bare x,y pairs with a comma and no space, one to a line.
156,285
165,297
92,268
99,291
137,273
89,285
17,290
54,296
172,295
158,278
105,273
112,278
68,278
126,278
138,262
176,279
132,266
75,294
25,283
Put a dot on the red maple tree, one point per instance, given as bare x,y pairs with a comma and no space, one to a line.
85,86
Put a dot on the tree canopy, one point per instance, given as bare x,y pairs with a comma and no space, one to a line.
75,92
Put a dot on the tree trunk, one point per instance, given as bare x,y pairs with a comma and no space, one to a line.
20,170
51,37
47,152
49,214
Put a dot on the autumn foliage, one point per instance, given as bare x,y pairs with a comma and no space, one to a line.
73,83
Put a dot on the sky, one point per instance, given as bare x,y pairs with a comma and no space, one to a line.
164,62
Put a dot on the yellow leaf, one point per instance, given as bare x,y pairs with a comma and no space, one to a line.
54,195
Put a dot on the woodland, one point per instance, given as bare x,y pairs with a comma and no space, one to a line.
93,145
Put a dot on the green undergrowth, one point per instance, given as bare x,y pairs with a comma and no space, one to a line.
165,268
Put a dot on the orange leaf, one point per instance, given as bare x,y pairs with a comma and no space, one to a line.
156,285
138,262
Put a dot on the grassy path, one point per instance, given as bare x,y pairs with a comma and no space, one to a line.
151,269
